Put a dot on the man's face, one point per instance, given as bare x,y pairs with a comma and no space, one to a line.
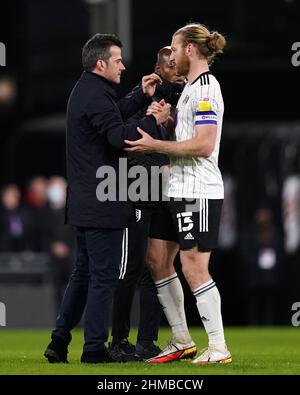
167,70
178,56
114,67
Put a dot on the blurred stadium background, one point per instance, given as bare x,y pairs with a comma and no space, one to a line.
257,267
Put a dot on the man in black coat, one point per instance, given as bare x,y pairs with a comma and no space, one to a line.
96,131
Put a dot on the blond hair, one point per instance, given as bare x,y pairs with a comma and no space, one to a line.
208,43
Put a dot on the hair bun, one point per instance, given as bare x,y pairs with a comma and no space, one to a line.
216,42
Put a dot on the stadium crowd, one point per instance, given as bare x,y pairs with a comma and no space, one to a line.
33,220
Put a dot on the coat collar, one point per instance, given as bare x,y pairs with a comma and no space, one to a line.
108,85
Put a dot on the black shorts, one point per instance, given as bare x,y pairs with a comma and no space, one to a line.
188,222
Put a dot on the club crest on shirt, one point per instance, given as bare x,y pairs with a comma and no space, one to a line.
186,99
138,215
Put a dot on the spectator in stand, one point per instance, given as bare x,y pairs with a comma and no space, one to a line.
13,221
36,200
262,254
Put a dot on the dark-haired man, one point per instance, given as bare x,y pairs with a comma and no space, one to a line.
95,139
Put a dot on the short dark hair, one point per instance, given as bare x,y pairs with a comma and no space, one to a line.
98,47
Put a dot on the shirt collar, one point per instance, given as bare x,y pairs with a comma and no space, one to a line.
205,73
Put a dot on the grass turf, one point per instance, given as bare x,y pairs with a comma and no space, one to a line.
254,351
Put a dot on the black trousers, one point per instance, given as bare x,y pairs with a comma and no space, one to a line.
137,274
60,270
91,286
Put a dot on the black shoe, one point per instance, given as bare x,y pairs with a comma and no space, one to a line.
146,350
56,351
123,351
101,356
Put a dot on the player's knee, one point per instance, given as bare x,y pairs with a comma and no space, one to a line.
188,257
192,268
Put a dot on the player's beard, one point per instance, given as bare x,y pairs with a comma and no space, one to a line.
183,66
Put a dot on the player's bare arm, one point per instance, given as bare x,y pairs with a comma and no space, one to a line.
201,145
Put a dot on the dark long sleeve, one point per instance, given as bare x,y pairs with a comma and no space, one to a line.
108,121
132,103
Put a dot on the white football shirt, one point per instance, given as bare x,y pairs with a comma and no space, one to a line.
197,177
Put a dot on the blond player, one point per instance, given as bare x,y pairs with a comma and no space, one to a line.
196,194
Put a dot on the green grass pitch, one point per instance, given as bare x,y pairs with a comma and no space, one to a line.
254,351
